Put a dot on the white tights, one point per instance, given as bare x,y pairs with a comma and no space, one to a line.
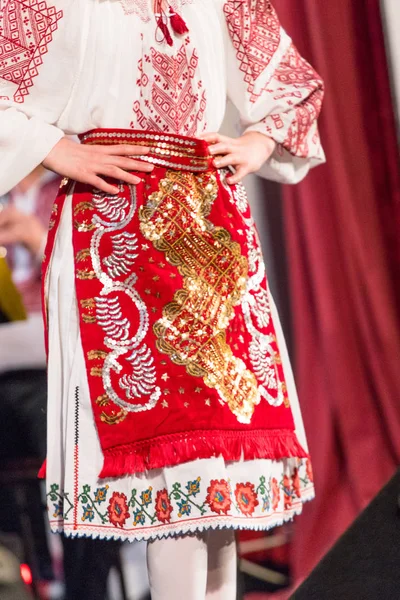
199,566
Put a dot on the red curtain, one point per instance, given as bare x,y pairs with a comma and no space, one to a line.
343,235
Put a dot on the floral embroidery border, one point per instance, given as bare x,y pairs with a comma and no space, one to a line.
151,508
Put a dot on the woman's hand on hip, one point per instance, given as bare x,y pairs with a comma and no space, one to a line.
246,154
90,164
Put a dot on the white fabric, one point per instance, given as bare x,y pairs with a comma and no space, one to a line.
195,567
95,68
75,459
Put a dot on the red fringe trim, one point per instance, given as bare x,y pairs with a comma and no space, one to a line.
171,450
42,470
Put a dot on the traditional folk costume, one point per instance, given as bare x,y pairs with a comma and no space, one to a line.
172,407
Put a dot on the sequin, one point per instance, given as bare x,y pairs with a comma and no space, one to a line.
256,309
192,330
114,213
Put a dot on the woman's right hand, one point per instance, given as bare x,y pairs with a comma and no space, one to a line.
89,164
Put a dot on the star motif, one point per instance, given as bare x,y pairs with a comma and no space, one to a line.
181,390
141,268
240,231
198,390
164,404
172,275
163,362
186,404
151,259
145,246
165,376
156,277
153,309
207,402
161,265
147,291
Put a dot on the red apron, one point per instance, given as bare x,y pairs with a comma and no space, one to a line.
180,348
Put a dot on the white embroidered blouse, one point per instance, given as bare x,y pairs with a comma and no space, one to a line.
74,65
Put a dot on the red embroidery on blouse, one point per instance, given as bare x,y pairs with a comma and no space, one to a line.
255,33
137,7
144,11
296,73
172,100
26,30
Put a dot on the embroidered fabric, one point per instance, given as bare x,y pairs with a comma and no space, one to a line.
141,8
172,99
193,496
243,36
183,331
26,31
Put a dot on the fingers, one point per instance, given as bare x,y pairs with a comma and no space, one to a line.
221,148
230,160
240,173
119,174
121,149
103,186
131,165
214,138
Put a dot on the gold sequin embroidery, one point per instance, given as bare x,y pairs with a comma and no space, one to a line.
114,418
83,254
96,354
85,274
192,330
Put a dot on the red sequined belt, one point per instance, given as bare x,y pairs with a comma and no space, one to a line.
166,150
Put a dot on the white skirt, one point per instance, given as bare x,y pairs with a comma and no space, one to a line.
194,496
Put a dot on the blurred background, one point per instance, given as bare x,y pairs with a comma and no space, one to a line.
332,249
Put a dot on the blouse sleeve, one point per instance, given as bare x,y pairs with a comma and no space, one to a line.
36,79
275,90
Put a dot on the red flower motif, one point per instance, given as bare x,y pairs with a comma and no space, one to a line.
118,511
219,497
296,483
287,491
163,506
246,497
276,494
309,470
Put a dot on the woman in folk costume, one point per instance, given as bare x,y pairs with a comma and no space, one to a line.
172,413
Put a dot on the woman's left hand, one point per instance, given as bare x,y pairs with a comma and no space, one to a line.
246,154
